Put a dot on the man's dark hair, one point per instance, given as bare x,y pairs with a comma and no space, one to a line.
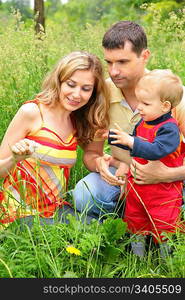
123,31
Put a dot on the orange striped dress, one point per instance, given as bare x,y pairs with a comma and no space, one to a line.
38,184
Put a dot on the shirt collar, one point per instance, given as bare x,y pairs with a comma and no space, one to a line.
162,118
125,104
115,93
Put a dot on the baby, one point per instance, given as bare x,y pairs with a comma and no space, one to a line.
155,208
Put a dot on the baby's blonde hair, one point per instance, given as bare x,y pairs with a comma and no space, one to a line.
169,85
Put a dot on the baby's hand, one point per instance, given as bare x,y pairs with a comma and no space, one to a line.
117,136
23,149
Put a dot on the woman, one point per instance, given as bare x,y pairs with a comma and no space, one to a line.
39,147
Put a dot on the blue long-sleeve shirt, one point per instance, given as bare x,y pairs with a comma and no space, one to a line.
166,141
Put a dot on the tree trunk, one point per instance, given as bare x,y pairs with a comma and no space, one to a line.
39,16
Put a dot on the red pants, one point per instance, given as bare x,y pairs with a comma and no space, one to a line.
153,209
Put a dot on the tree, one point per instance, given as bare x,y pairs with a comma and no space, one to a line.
39,16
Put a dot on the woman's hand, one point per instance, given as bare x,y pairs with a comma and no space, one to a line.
122,171
151,173
23,149
102,166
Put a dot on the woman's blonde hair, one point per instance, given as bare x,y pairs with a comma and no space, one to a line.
169,85
93,115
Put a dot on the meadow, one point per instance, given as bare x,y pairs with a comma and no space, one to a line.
77,249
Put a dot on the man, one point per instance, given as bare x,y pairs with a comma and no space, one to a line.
126,53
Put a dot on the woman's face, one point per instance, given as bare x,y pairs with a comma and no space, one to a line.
77,90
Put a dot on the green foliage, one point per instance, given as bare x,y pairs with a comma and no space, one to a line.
41,252
163,8
166,41
81,12
23,6
52,6
113,229
24,64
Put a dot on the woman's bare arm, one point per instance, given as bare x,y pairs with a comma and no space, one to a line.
14,147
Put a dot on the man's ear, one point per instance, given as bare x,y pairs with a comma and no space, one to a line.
145,54
166,106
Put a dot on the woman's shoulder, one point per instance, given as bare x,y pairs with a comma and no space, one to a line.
30,114
30,109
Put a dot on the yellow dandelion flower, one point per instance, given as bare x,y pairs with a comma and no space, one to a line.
73,250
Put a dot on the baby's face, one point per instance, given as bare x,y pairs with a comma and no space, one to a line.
149,104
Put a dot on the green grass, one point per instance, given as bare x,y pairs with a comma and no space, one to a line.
41,252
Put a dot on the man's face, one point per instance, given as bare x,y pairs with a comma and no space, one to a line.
125,67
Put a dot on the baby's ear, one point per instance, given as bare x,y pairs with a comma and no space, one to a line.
166,106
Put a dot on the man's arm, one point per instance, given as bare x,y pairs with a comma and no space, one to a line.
155,171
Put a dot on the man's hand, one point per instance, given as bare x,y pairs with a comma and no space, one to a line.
151,173
102,166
